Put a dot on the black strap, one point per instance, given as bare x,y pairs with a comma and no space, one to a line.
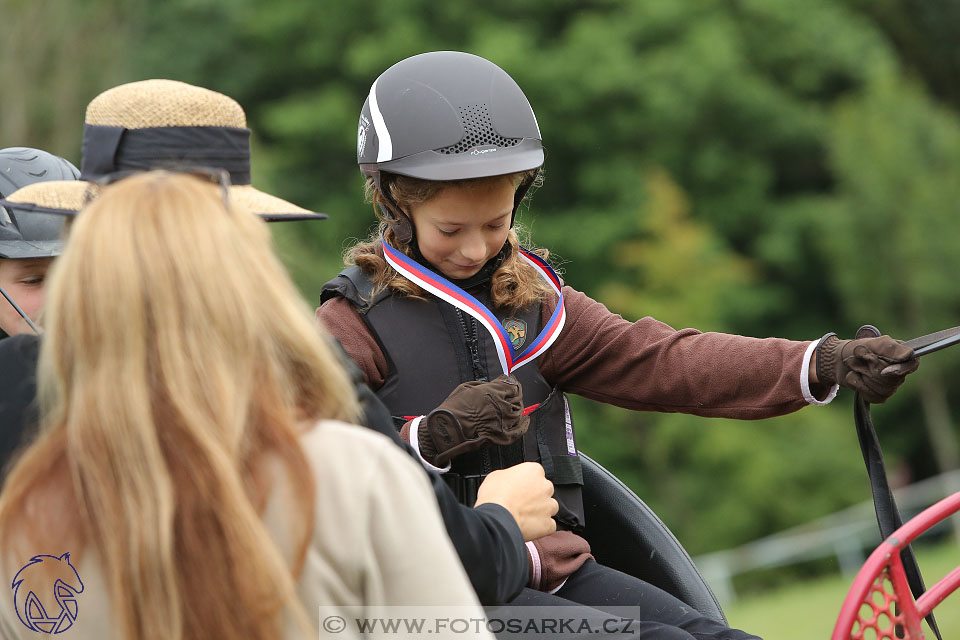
392,214
464,486
520,194
566,470
888,516
107,150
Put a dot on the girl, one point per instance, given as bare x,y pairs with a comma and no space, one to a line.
192,477
443,295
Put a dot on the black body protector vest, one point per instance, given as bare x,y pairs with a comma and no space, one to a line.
431,347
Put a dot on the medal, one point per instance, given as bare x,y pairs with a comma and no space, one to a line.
452,294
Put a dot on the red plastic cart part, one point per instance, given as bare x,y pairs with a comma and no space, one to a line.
879,600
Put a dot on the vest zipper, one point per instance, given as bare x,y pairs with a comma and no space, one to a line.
471,332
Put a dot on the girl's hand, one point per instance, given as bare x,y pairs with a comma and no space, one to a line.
874,367
475,414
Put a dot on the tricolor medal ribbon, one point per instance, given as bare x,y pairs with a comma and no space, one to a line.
452,294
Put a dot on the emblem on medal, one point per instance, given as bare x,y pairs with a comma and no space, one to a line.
517,330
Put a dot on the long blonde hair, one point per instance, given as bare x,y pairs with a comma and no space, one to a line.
514,284
179,365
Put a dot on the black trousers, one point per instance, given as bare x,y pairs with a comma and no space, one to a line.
605,596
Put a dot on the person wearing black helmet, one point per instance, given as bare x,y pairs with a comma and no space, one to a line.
471,340
28,241
28,244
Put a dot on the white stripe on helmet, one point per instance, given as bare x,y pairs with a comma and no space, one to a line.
384,144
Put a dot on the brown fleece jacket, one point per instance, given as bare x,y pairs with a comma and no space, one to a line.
644,365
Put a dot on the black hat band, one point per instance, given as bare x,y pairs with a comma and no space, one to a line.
108,150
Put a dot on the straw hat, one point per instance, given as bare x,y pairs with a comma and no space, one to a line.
160,124
54,196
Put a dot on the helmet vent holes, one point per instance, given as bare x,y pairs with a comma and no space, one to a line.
479,131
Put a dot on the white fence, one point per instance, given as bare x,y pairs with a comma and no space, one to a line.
844,534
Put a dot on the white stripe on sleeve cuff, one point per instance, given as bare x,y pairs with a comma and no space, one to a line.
536,569
415,443
805,379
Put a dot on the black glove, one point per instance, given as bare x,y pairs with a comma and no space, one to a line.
873,367
475,414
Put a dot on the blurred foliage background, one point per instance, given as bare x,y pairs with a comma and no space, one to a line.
766,167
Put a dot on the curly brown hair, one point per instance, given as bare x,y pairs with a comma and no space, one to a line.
515,284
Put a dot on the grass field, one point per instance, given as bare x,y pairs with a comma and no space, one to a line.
808,610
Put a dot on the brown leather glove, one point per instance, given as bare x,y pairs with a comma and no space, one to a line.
475,414
873,367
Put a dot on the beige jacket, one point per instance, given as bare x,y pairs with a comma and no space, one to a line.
378,548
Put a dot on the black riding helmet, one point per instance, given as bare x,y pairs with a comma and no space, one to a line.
446,115
24,234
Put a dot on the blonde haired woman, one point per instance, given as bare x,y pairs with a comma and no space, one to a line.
192,460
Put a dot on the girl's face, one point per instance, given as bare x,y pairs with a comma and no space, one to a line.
23,280
463,227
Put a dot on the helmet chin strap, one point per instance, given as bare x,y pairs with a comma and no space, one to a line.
400,223
20,311
394,216
520,194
